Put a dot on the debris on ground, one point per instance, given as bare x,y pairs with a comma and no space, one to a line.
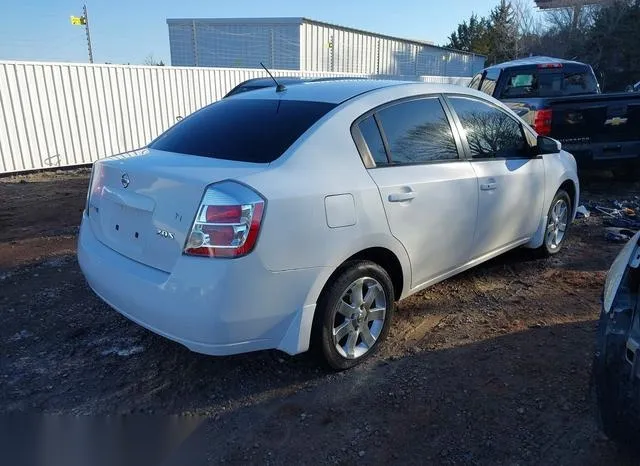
21,335
621,214
123,352
618,234
582,211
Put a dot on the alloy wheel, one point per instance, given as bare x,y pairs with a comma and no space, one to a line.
359,318
557,224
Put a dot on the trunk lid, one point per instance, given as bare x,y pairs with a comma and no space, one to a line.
142,204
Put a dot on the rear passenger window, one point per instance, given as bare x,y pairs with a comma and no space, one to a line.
418,131
371,135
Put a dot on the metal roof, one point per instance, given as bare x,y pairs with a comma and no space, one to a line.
301,20
532,61
274,20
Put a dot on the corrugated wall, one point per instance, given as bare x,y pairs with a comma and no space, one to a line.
328,48
56,115
203,42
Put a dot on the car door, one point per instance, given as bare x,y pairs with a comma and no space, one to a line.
429,192
510,177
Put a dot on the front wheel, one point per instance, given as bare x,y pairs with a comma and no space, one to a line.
353,314
558,220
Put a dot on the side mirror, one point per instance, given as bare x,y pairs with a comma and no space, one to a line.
548,145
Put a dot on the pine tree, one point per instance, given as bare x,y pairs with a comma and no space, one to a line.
471,37
503,33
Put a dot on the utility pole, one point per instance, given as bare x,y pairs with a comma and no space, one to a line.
86,25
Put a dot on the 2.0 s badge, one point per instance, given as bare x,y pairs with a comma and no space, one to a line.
165,234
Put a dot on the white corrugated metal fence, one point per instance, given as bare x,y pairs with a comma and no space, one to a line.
61,114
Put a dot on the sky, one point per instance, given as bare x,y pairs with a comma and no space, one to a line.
129,31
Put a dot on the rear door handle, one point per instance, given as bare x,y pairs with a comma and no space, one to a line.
401,197
488,186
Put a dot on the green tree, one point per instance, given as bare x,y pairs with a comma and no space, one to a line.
503,33
471,36
612,45
496,37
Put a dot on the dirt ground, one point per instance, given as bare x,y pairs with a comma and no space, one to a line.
489,367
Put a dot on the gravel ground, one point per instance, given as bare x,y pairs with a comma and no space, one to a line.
489,367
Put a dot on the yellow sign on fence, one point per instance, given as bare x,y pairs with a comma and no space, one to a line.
78,20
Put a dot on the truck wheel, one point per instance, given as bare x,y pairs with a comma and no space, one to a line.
558,219
353,315
628,172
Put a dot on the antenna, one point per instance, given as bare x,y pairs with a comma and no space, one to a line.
279,87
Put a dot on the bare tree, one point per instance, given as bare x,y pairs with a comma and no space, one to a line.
529,26
151,61
527,20
576,18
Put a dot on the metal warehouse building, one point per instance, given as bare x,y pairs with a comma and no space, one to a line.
307,45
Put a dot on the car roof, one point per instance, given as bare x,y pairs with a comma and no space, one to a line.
538,60
267,81
331,91
259,83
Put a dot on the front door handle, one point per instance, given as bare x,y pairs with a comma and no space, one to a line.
488,186
401,197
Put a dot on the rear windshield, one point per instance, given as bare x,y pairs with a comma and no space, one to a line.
244,130
549,84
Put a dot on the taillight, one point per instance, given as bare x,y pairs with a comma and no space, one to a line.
542,121
95,184
227,222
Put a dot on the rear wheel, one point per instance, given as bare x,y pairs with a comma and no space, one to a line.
558,220
353,314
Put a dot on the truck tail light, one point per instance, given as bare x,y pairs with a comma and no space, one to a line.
550,65
227,222
542,121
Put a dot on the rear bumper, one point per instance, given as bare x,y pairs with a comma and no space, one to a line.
211,306
604,154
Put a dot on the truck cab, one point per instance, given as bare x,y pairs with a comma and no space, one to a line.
562,99
525,85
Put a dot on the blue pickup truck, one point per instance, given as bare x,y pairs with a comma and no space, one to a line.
562,99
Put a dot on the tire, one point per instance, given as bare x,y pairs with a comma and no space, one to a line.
628,172
618,406
553,244
338,311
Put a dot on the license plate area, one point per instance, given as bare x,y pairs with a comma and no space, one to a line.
126,228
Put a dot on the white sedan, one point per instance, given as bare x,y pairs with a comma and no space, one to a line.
296,219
